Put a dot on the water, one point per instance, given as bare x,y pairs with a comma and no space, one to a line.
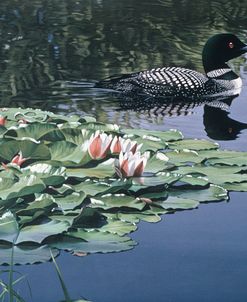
52,52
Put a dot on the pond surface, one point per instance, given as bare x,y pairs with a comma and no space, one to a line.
52,52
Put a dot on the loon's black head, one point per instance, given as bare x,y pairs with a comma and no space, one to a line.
221,48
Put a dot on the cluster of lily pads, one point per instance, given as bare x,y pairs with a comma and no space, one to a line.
74,184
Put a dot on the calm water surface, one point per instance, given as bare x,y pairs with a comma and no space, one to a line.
52,52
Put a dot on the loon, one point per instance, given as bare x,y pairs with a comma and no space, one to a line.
182,83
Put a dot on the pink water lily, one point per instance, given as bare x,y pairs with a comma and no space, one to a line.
18,159
125,145
130,164
99,145
3,120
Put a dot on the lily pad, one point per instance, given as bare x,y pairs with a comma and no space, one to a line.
102,170
37,233
166,136
71,201
26,185
177,203
110,201
25,254
213,193
9,228
193,144
93,242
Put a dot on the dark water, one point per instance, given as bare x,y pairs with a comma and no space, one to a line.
51,54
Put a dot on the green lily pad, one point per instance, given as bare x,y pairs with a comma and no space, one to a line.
156,163
166,136
178,157
30,149
213,193
37,233
69,153
47,173
116,201
35,130
193,144
25,254
177,203
71,201
41,202
9,228
102,170
93,242
161,179
217,175
26,185
120,227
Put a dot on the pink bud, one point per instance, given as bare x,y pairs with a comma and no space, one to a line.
3,120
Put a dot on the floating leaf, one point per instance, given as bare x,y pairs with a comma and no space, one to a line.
25,254
217,175
9,228
178,157
93,242
117,201
34,130
120,227
47,173
30,149
37,233
176,203
26,185
193,144
166,136
213,193
105,169
71,201
156,163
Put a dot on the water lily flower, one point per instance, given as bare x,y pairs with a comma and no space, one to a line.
130,164
18,159
99,145
125,145
3,120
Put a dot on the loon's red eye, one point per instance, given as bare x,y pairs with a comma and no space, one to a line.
230,45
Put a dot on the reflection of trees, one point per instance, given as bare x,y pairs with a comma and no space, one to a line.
43,41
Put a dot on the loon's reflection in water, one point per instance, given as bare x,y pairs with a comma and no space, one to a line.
218,125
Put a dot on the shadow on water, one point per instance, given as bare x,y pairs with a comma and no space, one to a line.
217,123
219,126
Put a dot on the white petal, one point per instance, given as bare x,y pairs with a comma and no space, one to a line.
131,168
121,158
113,143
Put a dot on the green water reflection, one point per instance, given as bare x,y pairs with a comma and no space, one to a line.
43,42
